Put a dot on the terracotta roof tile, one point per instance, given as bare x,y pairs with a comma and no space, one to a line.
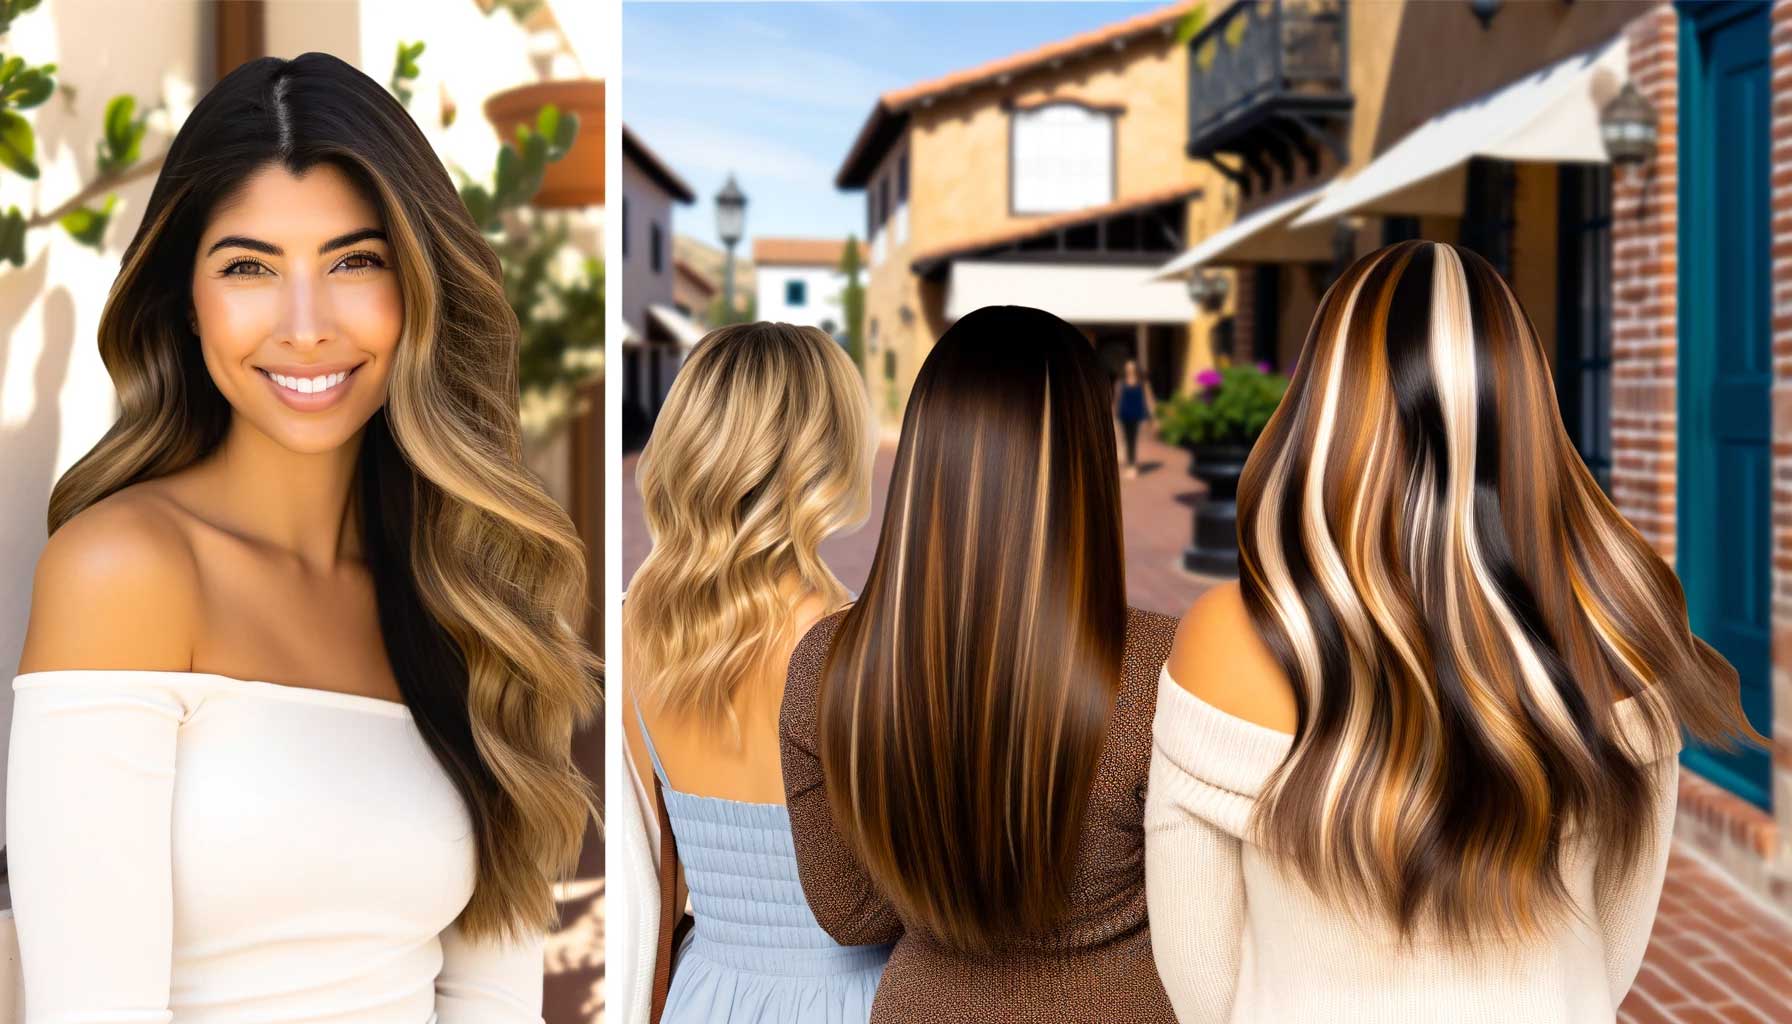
819,252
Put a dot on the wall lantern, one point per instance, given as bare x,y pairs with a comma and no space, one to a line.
1628,125
1208,288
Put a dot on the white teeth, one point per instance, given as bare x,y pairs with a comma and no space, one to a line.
309,385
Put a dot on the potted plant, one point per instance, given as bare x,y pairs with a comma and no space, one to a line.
1217,423
577,180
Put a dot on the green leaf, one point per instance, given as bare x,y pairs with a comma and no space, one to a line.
479,203
30,87
18,145
547,122
10,9
122,143
88,226
560,140
1191,24
509,173
12,237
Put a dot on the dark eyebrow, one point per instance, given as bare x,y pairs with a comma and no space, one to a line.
269,248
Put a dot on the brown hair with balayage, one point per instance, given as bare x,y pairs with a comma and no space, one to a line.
478,572
1459,607
965,699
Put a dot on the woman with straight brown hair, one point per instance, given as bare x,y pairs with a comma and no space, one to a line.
1418,763
965,748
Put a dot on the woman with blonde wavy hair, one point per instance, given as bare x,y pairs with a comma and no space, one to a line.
292,734
762,450
1418,763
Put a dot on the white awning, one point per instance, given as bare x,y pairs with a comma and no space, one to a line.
676,324
1548,116
1083,293
1260,236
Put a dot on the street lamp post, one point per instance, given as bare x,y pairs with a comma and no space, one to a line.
731,220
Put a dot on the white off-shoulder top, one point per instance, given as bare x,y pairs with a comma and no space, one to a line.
198,848
1239,939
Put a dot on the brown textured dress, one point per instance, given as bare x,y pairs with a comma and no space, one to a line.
1096,966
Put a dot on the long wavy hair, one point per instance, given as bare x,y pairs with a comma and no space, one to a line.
480,575
964,702
1459,607
762,450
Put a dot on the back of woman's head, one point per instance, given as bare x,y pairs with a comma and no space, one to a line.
965,699
762,450
1458,607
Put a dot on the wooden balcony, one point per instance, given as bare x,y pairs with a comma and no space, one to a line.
1269,84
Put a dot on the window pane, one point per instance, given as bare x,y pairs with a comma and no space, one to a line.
1063,158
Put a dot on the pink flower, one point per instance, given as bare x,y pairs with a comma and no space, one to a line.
1264,367
1208,378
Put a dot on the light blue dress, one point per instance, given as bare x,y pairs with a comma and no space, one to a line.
756,954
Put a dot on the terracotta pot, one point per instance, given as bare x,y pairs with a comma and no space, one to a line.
577,179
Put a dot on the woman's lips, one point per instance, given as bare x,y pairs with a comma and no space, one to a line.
310,393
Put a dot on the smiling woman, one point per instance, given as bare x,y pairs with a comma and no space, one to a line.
296,700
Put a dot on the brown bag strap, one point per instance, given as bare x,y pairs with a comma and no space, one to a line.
669,909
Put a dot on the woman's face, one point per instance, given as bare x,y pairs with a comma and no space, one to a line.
297,306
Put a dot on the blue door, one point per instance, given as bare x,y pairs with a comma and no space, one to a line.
1726,366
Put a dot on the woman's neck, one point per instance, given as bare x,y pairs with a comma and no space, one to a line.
292,501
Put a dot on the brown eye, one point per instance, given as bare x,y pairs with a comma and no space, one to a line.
230,268
358,261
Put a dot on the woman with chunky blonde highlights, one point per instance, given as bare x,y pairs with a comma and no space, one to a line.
292,734
1419,762
762,450
965,748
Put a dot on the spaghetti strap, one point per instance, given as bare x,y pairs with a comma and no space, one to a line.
654,755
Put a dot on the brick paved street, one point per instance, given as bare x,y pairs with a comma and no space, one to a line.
1716,954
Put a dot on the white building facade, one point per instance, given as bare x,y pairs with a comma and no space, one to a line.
799,282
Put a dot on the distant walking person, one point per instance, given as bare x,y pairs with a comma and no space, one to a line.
1132,406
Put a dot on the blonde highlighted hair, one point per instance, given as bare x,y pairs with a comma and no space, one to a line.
762,450
1458,607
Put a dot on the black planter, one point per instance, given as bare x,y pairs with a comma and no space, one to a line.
1214,550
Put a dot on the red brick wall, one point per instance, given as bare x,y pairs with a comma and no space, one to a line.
1644,251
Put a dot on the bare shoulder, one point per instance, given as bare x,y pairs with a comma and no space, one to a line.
115,588
1219,657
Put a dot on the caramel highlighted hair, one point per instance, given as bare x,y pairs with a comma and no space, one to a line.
1458,606
965,700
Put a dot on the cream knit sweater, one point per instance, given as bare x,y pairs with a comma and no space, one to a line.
1237,940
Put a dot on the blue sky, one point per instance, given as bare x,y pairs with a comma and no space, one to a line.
776,92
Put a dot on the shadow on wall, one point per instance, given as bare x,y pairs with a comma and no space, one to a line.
28,450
